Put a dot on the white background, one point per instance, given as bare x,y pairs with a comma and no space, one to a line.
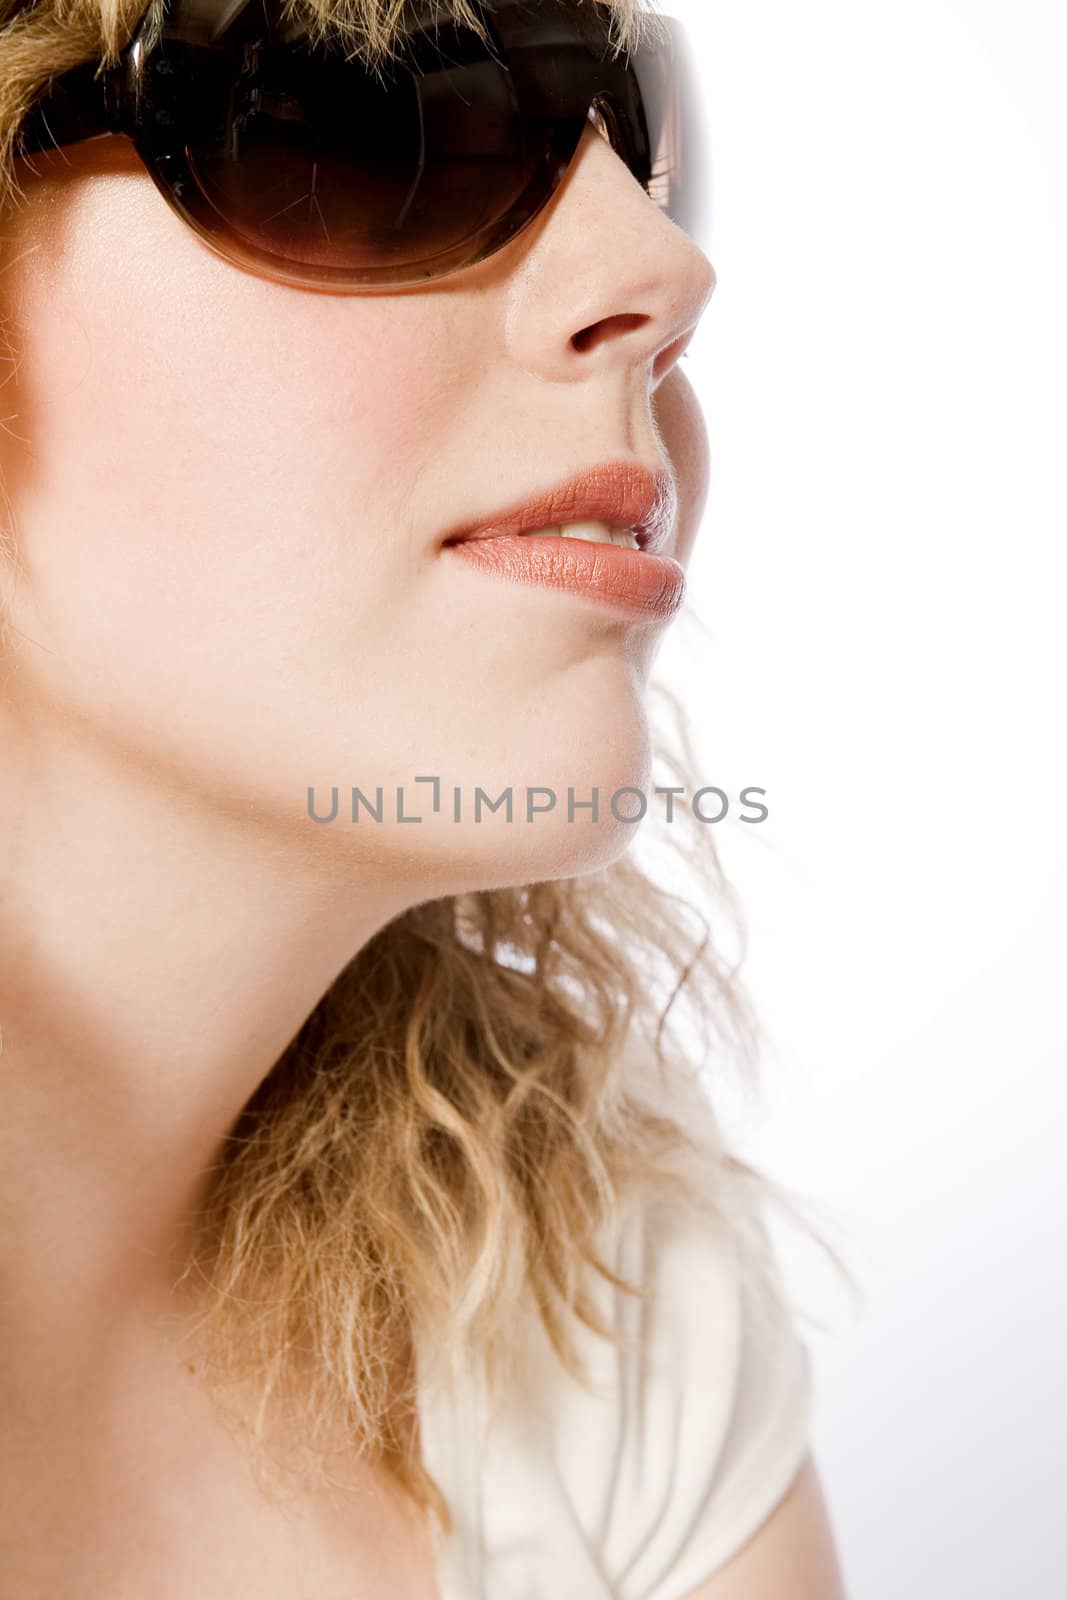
881,573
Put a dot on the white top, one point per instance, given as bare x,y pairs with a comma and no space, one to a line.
640,1491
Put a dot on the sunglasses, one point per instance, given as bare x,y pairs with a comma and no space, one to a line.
296,161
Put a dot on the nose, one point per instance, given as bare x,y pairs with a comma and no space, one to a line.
606,282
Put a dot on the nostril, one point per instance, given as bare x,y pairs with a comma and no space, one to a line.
672,355
607,328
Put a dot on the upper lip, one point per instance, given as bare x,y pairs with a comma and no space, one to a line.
620,493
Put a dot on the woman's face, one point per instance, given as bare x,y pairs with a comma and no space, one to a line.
228,497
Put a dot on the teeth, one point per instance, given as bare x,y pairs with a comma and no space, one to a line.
595,532
625,537
592,532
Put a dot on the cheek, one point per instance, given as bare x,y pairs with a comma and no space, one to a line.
209,486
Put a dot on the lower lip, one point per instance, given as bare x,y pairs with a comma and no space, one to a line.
643,585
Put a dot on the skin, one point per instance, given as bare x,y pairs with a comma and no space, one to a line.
792,1556
227,498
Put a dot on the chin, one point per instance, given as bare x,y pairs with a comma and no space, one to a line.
462,835
501,857
560,841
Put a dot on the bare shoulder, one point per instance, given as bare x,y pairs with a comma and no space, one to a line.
791,1556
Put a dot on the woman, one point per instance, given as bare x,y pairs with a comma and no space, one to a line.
358,1237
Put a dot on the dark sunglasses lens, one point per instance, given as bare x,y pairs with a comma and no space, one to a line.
671,94
300,155
320,161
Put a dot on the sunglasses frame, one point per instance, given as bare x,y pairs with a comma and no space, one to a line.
141,96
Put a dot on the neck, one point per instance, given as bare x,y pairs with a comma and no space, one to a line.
156,957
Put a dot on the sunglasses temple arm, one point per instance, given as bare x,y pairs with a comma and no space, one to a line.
79,105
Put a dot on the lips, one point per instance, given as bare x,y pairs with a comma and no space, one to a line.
619,493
